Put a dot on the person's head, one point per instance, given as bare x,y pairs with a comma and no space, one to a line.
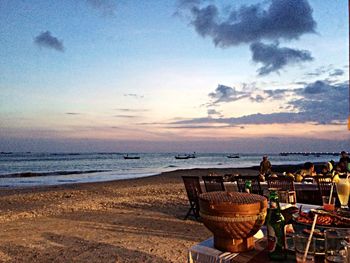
325,168
344,154
329,166
309,166
264,157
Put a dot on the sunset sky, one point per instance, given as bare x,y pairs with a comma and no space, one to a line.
189,75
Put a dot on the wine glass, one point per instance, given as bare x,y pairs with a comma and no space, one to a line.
343,190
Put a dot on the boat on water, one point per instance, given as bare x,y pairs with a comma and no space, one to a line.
233,156
186,156
127,157
193,155
182,157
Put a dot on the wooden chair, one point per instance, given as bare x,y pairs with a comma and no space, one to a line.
309,179
214,183
256,187
284,183
193,190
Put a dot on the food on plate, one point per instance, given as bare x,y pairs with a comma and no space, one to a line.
323,219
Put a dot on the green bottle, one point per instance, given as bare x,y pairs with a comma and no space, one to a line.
248,186
275,229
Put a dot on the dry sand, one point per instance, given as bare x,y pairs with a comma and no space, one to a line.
139,220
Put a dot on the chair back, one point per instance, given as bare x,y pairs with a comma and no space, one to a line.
324,184
309,179
285,186
214,183
193,187
284,183
256,187
193,190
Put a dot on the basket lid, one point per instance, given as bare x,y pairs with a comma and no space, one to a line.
231,198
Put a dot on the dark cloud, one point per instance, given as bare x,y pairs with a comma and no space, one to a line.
72,113
198,127
106,7
45,39
325,70
323,102
282,19
336,72
275,58
319,102
226,94
213,112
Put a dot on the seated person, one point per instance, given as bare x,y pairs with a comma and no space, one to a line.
343,162
265,167
307,171
327,169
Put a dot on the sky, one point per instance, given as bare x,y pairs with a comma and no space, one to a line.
174,75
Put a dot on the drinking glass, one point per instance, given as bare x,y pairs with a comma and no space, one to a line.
300,242
337,244
343,190
328,205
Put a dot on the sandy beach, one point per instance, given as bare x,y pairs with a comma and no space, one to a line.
139,220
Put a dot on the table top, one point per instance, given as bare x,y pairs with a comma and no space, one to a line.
204,252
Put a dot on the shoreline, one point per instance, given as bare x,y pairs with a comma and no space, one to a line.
62,183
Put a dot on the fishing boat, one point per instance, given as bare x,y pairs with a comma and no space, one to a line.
233,156
131,157
193,155
182,157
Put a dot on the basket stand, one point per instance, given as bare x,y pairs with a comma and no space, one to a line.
234,245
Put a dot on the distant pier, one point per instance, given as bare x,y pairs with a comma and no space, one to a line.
317,154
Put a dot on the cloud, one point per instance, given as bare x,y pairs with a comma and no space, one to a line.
226,94
275,58
106,7
319,102
131,110
213,112
125,116
198,127
133,95
45,39
323,70
283,19
336,72
72,113
323,102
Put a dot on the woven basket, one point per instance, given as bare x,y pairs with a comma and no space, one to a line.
233,217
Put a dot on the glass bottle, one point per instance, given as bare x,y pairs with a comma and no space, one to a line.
248,186
275,229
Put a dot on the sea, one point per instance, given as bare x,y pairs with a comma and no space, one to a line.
21,170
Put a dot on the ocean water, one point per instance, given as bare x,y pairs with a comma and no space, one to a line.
35,169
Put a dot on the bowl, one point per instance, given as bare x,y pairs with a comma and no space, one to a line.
233,217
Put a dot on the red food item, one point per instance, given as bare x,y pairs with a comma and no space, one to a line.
329,207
